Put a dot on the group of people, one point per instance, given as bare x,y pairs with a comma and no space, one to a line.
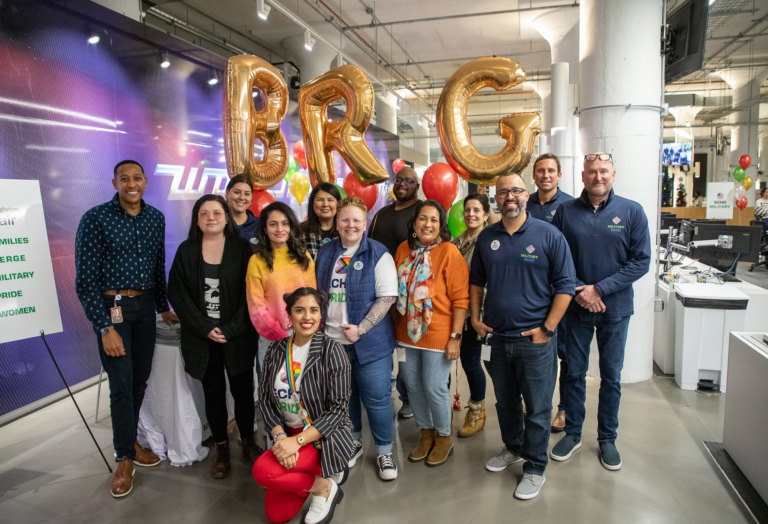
321,308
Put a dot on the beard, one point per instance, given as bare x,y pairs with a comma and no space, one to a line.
511,214
598,191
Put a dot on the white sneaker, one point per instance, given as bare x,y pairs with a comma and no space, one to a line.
502,461
387,466
321,509
357,452
529,486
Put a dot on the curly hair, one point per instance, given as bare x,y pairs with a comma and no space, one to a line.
444,234
297,250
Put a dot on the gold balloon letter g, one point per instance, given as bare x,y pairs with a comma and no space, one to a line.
347,136
243,125
519,129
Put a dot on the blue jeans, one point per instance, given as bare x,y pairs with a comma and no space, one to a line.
561,338
426,377
470,362
370,385
611,340
522,367
129,373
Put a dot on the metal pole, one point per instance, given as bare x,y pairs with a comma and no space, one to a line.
658,305
98,394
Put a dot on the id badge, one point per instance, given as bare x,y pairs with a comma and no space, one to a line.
485,352
117,314
400,354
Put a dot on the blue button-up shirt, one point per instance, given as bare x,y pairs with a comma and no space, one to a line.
116,250
546,211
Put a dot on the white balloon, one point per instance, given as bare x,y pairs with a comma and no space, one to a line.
300,210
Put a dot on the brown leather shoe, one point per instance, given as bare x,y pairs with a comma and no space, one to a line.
558,423
221,465
474,421
421,451
442,449
145,458
122,479
251,451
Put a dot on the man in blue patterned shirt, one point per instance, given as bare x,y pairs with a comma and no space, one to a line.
120,263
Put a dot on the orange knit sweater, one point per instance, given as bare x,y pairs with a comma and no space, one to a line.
451,291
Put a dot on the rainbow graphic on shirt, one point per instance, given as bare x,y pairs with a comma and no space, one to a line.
296,373
342,264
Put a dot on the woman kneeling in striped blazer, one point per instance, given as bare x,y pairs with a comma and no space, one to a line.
304,399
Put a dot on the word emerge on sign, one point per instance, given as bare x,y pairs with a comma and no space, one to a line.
28,300
720,200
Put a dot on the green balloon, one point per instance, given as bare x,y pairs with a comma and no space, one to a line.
456,219
293,167
341,190
739,174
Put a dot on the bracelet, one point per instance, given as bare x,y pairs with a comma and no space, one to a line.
281,433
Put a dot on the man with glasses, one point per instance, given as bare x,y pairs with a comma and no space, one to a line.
611,246
530,271
390,227
120,281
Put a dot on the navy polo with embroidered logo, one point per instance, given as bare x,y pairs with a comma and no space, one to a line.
546,211
523,272
611,248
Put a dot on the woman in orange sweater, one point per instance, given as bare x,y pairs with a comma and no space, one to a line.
432,303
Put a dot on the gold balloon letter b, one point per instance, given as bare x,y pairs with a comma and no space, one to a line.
243,125
347,136
519,130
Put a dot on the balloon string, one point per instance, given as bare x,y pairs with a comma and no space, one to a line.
456,396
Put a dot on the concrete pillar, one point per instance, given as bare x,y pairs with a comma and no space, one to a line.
311,63
620,64
386,112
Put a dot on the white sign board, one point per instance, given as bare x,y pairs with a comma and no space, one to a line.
720,200
28,299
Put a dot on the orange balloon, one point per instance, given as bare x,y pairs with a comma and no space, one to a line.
519,129
243,125
346,136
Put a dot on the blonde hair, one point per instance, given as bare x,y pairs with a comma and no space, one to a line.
353,201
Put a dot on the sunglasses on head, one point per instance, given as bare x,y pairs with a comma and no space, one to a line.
604,157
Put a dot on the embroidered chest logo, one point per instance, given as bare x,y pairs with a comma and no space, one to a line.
530,249
529,257
616,220
553,212
615,226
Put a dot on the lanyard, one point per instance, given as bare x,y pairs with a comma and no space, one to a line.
292,386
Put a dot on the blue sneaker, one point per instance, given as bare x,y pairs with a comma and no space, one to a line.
609,456
565,448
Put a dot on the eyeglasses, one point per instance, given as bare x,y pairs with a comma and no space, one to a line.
404,181
605,157
347,221
504,193
216,214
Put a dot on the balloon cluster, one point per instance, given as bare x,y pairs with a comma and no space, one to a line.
746,182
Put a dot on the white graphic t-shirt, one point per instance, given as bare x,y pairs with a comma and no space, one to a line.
211,289
386,286
289,408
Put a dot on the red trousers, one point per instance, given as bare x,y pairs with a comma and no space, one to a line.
287,489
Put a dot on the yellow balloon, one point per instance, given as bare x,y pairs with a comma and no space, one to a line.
243,125
747,182
298,185
519,129
347,136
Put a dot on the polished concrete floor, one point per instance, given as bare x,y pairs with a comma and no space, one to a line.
50,472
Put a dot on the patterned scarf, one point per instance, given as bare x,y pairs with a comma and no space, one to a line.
416,286
466,245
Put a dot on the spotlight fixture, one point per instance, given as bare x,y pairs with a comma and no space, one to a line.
262,9
94,39
309,42
165,63
213,81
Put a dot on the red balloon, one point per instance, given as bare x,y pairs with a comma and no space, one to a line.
261,199
368,192
742,203
440,183
745,161
299,154
398,164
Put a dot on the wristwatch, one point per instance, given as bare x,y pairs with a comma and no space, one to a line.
301,440
547,332
456,336
106,330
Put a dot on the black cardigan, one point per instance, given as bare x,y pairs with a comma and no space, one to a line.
185,292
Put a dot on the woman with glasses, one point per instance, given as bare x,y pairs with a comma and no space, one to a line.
320,226
239,195
477,210
360,279
432,302
280,265
205,287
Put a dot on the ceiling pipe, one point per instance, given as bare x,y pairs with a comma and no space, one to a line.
466,58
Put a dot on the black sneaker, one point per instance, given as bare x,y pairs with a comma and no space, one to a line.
387,466
357,452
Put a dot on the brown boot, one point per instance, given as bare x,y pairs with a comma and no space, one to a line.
442,449
251,451
474,421
122,479
220,467
558,423
421,451
145,457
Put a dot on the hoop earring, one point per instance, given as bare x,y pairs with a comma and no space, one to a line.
414,235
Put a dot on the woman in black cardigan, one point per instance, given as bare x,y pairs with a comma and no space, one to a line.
206,287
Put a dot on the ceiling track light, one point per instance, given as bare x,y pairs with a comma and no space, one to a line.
262,9
213,80
165,62
309,42
94,39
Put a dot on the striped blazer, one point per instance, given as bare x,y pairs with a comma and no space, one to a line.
324,391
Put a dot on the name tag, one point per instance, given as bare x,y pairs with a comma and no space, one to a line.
485,352
117,315
400,354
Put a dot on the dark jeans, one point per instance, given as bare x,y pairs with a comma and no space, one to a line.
522,367
470,362
215,391
561,338
611,339
400,384
129,373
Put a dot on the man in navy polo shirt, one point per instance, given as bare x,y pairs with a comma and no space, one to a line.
542,205
530,267
611,246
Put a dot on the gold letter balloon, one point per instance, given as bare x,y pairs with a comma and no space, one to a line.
243,124
519,129
347,136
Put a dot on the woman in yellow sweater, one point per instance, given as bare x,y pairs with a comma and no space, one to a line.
432,303
280,265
